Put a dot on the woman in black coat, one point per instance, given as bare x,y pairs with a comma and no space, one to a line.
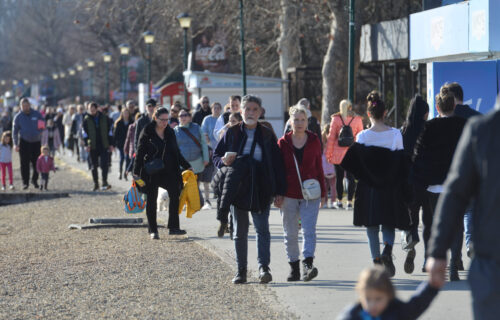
418,112
157,141
120,130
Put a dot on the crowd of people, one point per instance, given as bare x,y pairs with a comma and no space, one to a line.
390,175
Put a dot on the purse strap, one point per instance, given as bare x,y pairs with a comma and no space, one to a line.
298,171
186,131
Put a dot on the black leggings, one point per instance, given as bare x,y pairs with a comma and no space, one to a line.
173,208
351,184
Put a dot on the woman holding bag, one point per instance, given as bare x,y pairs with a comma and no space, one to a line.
301,150
158,162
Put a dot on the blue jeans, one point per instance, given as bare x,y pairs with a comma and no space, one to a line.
468,228
240,236
388,235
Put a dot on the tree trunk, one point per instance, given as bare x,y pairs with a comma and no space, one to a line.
335,63
287,50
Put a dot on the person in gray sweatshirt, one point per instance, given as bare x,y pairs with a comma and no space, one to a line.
27,134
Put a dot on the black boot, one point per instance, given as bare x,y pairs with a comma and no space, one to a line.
454,271
310,272
410,261
294,271
386,259
222,229
241,276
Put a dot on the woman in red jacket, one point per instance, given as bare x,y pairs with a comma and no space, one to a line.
300,149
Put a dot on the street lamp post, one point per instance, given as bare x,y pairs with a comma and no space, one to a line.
124,51
243,60
79,68
185,22
91,65
352,36
55,76
107,59
71,73
149,38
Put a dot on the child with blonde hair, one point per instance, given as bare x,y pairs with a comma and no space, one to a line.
378,301
6,159
44,165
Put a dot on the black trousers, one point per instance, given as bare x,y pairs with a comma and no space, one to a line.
421,200
351,183
45,179
456,246
173,208
28,154
99,158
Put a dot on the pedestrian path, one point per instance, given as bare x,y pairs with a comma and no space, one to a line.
342,252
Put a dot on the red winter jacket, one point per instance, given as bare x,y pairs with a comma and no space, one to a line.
45,166
310,168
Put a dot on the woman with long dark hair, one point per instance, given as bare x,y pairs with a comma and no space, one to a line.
120,133
157,142
418,113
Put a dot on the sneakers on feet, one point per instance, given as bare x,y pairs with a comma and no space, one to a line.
154,236
221,230
409,265
11,187
240,277
3,188
176,232
105,187
338,205
349,206
265,275
25,187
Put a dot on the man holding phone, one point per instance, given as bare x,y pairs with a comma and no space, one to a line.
256,148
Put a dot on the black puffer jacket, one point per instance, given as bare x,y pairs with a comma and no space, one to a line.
150,147
120,133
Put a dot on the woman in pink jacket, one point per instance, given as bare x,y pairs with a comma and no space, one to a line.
335,153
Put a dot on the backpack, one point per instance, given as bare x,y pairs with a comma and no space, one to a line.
346,137
135,201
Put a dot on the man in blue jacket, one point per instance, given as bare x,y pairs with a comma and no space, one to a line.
28,127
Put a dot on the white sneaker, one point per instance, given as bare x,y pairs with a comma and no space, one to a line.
11,187
338,205
207,206
3,188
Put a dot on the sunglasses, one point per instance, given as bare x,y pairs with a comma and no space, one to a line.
205,102
163,120
184,115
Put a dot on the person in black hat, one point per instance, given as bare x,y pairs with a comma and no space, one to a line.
144,120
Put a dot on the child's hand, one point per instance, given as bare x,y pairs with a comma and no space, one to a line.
437,272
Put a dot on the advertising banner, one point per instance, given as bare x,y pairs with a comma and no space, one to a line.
210,51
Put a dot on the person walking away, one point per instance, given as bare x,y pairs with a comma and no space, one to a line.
6,159
337,148
144,120
253,153
204,111
192,142
51,138
377,161
28,126
418,113
120,134
235,102
207,127
301,151
466,112
473,177
129,147
378,301
328,170
432,160
67,122
157,143
44,165
98,139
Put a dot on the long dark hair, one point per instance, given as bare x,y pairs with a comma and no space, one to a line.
6,134
414,123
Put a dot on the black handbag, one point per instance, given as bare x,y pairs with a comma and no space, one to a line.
154,166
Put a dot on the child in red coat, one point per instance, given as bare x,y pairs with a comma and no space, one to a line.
44,164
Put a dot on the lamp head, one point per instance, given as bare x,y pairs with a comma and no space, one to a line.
149,37
106,56
90,63
124,49
184,20
71,71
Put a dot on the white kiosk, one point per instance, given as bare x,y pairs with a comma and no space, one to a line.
219,86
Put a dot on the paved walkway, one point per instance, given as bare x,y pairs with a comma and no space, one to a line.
342,252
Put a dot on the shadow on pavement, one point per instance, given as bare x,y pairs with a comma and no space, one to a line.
343,285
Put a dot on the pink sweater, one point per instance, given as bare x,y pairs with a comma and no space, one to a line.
45,165
335,153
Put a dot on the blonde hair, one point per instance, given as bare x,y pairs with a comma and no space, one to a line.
345,108
296,110
44,147
376,278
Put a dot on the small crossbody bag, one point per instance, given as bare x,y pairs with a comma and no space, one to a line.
311,190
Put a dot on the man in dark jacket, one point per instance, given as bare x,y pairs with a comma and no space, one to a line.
473,177
432,160
466,112
257,146
204,111
144,120
98,139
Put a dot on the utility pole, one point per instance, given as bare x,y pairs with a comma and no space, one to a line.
242,39
352,37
